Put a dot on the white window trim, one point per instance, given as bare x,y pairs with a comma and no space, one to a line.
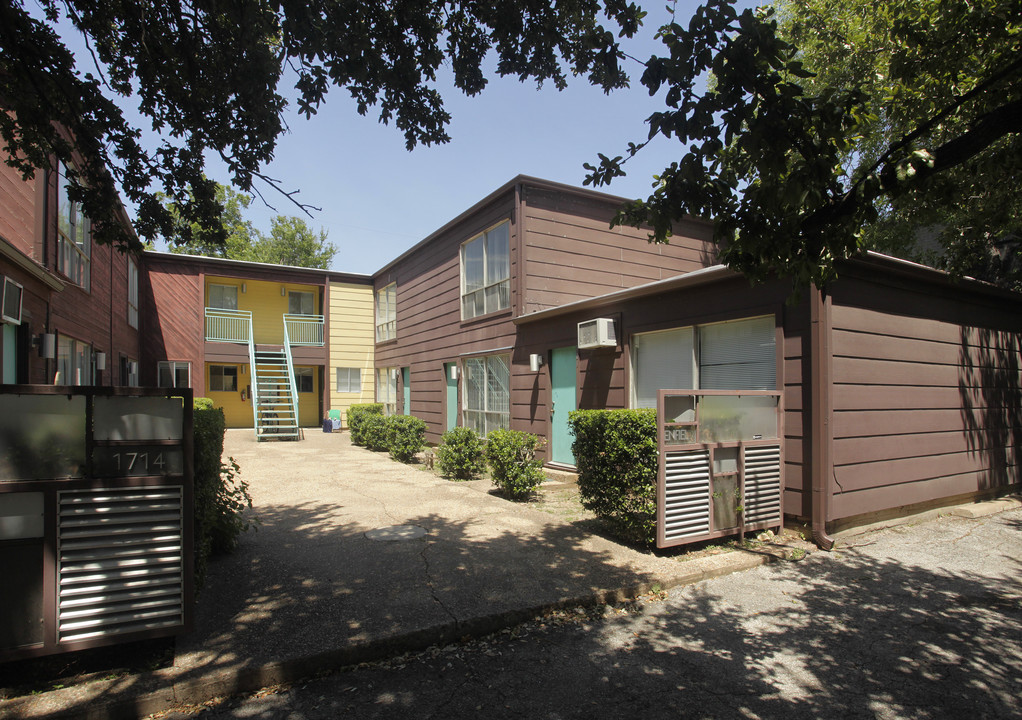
468,413
74,250
173,366
487,282
209,295
132,294
348,371
386,388
222,376
386,313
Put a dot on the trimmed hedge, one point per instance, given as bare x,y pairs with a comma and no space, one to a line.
357,415
461,454
406,436
513,464
616,456
221,498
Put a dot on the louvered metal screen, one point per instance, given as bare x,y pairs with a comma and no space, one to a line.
763,484
120,561
686,489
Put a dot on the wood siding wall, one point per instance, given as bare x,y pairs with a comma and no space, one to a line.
571,252
352,340
174,327
19,203
926,394
561,249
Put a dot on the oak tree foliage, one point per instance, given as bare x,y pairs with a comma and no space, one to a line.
832,127
207,76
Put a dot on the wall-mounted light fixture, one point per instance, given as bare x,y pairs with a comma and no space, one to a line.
283,291
101,361
244,288
48,346
454,372
535,362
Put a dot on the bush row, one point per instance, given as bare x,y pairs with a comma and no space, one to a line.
511,455
403,436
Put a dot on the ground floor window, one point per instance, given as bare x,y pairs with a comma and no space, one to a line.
304,380
349,380
129,372
223,378
734,355
171,374
487,398
74,362
386,389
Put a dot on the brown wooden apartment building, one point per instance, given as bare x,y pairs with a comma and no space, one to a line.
901,388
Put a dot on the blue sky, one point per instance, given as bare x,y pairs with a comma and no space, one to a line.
378,199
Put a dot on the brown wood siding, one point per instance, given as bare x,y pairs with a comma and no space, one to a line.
571,252
174,323
926,394
18,199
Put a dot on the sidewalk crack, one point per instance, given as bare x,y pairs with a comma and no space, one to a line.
429,582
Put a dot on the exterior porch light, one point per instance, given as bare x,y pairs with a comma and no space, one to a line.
535,362
47,346
101,361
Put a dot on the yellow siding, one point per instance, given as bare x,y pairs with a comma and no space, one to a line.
268,303
308,403
352,340
237,412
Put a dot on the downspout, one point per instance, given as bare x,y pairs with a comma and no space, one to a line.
822,432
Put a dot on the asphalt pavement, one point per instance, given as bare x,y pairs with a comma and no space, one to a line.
919,621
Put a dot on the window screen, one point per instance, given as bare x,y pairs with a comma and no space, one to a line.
661,360
738,355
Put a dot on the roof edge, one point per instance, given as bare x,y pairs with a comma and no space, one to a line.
197,259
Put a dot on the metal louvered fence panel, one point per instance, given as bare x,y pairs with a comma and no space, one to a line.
120,561
763,484
686,494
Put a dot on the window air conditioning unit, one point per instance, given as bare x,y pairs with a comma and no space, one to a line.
596,334
11,310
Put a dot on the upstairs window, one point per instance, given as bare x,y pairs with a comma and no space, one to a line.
132,293
223,297
386,313
74,234
486,273
301,303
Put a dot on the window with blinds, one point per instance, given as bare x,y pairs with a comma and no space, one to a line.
734,355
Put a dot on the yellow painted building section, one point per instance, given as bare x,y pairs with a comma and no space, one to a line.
268,302
238,411
352,341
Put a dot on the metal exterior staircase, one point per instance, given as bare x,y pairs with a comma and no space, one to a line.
275,401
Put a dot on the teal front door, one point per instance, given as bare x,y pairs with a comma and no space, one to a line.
562,402
406,383
451,398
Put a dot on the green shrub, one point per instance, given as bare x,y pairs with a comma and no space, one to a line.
406,436
221,498
461,454
373,431
356,415
513,464
616,456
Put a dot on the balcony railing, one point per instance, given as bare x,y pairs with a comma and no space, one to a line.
234,326
304,329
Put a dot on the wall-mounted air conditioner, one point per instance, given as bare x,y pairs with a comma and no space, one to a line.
11,310
596,334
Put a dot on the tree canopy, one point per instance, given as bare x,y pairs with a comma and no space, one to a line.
290,242
845,126
207,76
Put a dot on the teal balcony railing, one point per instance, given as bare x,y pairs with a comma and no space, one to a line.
304,329
233,326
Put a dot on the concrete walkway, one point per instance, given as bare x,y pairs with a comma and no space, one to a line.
358,557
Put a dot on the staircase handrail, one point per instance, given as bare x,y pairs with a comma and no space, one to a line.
291,375
254,391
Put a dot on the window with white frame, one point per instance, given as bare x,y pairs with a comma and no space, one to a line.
386,313
132,293
223,297
349,380
301,303
734,355
487,397
486,273
223,378
74,362
74,234
386,389
172,374
304,380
